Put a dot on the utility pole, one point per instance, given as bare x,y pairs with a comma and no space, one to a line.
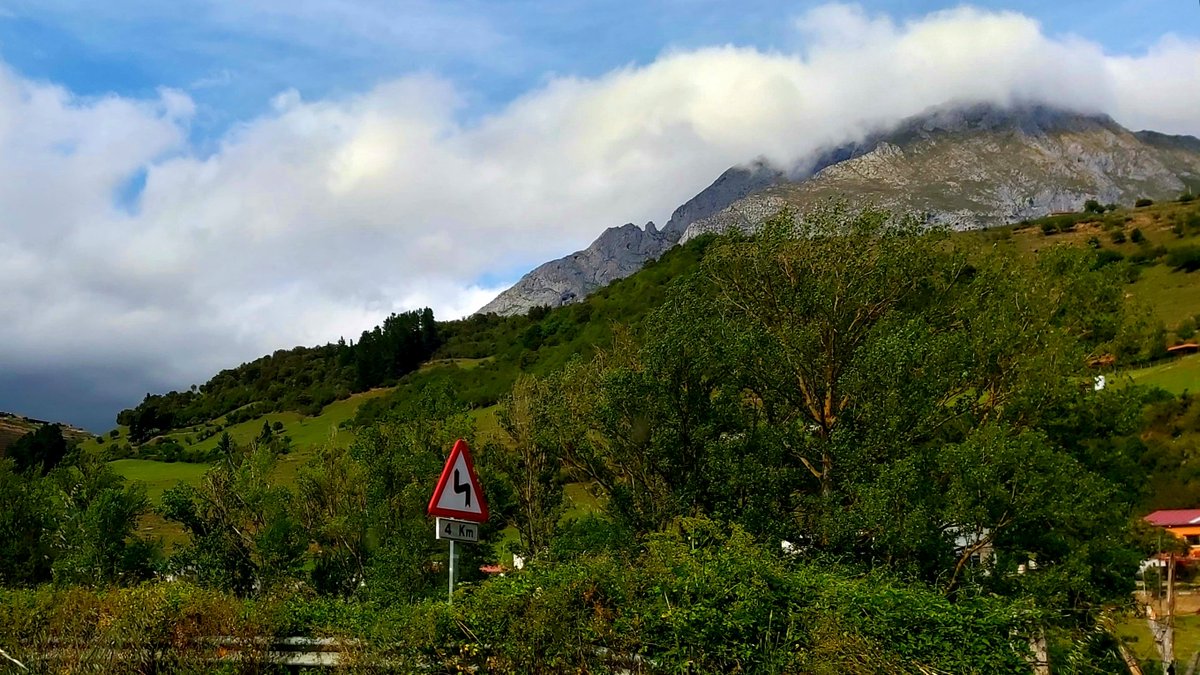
1162,622
1169,637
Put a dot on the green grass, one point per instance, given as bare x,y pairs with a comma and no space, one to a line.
1174,375
307,434
158,476
1171,295
465,364
487,424
581,500
1134,633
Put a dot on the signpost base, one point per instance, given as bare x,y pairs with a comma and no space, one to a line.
451,594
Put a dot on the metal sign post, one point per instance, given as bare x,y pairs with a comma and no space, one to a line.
450,598
464,499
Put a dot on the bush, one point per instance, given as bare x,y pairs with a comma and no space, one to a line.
1111,207
146,629
1143,202
1107,256
672,605
1185,258
1136,236
1186,197
1186,329
1092,206
1118,236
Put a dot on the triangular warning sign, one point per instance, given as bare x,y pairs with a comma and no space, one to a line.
458,494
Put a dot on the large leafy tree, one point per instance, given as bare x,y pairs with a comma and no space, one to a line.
873,390
96,541
245,534
531,458
26,527
39,450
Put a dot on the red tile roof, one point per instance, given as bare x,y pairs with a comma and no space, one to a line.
1174,517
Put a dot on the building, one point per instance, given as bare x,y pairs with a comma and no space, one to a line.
1183,523
1185,348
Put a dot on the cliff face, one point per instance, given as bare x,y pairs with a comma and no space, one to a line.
965,166
621,251
617,253
983,166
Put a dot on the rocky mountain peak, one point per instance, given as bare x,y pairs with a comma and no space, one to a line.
965,165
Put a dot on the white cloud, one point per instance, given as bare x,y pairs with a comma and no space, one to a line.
320,217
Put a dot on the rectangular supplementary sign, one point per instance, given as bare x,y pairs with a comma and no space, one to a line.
457,530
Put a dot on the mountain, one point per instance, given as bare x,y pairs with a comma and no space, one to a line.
981,166
964,166
617,253
13,427
621,251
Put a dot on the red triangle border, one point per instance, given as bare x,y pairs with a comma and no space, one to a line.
460,448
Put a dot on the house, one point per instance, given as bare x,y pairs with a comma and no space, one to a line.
1183,523
1185,348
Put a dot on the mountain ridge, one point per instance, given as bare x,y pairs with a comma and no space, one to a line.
961,165
14,426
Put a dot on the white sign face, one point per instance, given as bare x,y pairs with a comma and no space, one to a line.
459,494
457,530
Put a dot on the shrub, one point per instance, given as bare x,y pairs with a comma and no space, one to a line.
1186,197
1092,206
1118,236
1107,256
1143,202
1112,207
1186,258
1136,236
1186,329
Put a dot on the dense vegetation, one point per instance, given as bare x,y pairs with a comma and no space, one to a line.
912,412
302,379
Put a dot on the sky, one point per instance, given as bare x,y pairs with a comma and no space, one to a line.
186,186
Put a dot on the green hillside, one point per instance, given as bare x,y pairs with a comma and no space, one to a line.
480,357
853,388
13,427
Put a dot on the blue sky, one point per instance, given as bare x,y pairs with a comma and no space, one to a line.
233,57
189,185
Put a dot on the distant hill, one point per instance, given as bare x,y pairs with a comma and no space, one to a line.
966,166
13,427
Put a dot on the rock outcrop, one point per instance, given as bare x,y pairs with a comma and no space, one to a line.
617,253
981,166
964,166
621,251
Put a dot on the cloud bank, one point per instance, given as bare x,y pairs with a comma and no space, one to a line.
125,249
